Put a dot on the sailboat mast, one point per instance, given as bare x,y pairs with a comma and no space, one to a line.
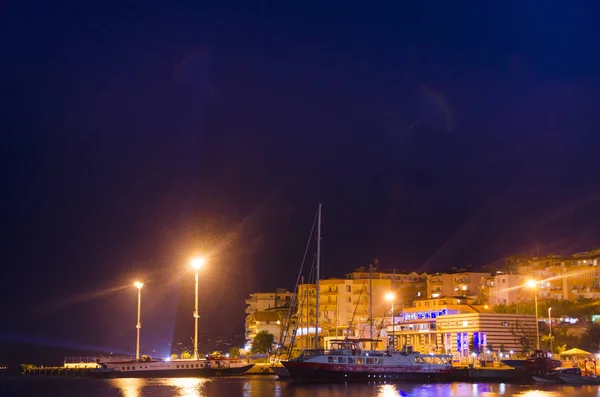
317,279
371,303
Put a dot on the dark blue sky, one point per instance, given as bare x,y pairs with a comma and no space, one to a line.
134,136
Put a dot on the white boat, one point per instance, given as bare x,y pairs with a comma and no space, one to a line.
161,368
346,362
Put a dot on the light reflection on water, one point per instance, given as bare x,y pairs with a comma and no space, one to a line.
130,387
267,386
180,387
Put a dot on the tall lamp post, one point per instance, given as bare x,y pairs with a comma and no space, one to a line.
139,286
550,325
533,285
196,263
390,296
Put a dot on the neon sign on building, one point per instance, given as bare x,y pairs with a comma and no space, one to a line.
428,315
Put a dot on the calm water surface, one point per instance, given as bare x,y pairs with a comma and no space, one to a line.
266,386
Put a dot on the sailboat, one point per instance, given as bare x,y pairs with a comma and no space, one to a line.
277,367
346,361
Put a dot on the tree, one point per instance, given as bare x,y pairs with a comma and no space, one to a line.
590,341
472,347
262,342
174,356
234,352
523,335
186,355
548,341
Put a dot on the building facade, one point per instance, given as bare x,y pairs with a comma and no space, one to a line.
263,301
344,309
458,327
466,284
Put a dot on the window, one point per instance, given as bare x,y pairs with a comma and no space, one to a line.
350,360
348,288
380,361
370,361
359,360
505,323
330,359
341,360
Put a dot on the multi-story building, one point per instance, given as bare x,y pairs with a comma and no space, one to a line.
263,301
466,284
344,309
271,321
507,288
561,277
406,286
456,326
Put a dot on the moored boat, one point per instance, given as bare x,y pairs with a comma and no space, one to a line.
280,371
160,368
538,362
573,376
570,376
347,362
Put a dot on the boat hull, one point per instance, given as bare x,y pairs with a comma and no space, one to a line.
579,380
281,371
171,373
308,371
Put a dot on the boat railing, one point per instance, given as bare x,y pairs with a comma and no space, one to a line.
314,352
95,359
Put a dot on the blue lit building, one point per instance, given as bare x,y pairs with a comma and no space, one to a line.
456,326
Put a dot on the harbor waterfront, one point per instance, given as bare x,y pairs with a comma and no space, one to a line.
269,386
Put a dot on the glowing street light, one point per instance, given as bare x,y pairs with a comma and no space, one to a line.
139,286
390,296
196,263
533,285
550,325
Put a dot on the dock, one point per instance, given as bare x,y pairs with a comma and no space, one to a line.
490,374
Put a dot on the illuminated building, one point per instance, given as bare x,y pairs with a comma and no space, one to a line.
344,307
456,326
563,277
262,301
466,284
406,286
271,321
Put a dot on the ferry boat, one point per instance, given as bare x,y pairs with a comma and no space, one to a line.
163,368
347,362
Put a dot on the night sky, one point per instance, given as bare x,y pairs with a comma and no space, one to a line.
135,136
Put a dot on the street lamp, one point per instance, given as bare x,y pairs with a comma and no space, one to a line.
139,286
196,263
390,296
533,285
550,325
